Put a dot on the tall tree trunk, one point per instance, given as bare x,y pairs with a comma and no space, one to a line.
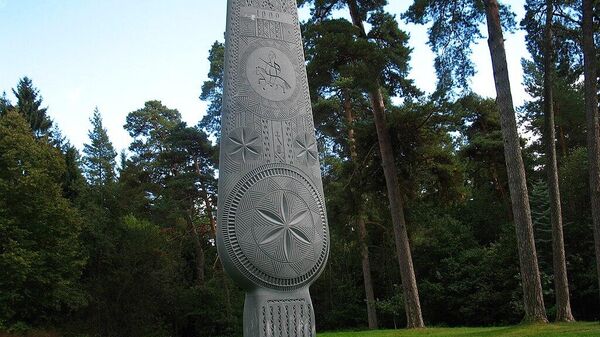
412,304
198,250
362,228
210,213
593,126
561,132
561,282
500,188
530,274
407,273
209,210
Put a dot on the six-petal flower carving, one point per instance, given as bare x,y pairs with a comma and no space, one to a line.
307,148
287,226
244,144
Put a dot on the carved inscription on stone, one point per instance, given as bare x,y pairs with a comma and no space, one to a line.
284,6
286,318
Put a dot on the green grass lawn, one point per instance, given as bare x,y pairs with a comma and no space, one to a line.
579,329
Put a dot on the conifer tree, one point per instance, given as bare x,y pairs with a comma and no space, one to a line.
593,119
212,90
99,154
377,61
4,104
449,24
29,105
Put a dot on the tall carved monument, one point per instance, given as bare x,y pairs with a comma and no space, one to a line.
273,237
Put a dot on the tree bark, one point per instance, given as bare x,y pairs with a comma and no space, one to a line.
593,121
407,273
198,250
209,211
362,228
532,288
561,132
502,191
412,304
561,282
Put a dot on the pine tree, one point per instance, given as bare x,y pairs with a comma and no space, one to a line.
212,90
449,24
593,120
532,288
5,105
540,216
377,61
29,102
99,155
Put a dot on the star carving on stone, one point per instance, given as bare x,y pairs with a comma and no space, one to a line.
307,148
286,226
244,144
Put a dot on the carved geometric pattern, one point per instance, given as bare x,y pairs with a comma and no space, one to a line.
272,230
276,228
285,227
306,148
243,144
286,318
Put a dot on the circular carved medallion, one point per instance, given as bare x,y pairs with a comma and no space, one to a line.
276,227
270,82
271,74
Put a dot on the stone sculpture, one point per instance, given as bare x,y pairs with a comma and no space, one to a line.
272,237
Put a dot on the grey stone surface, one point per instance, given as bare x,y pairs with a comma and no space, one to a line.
272,237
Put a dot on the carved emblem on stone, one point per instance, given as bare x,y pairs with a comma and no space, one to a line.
277,226
285,229
271,74
272,235
306,148
243,144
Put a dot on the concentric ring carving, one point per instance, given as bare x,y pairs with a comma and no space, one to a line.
275,227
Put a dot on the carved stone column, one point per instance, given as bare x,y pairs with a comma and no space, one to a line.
272,236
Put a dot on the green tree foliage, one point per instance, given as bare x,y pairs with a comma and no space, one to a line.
40,250
212,90
579,243
132,253
29,105
5,104
455,27
175,165
134,283
481,151
568,91
99,155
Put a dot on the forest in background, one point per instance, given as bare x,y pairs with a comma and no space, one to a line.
421,191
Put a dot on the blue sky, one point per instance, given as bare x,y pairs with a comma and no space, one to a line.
119,54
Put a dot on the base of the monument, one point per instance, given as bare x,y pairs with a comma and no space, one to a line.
269,313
